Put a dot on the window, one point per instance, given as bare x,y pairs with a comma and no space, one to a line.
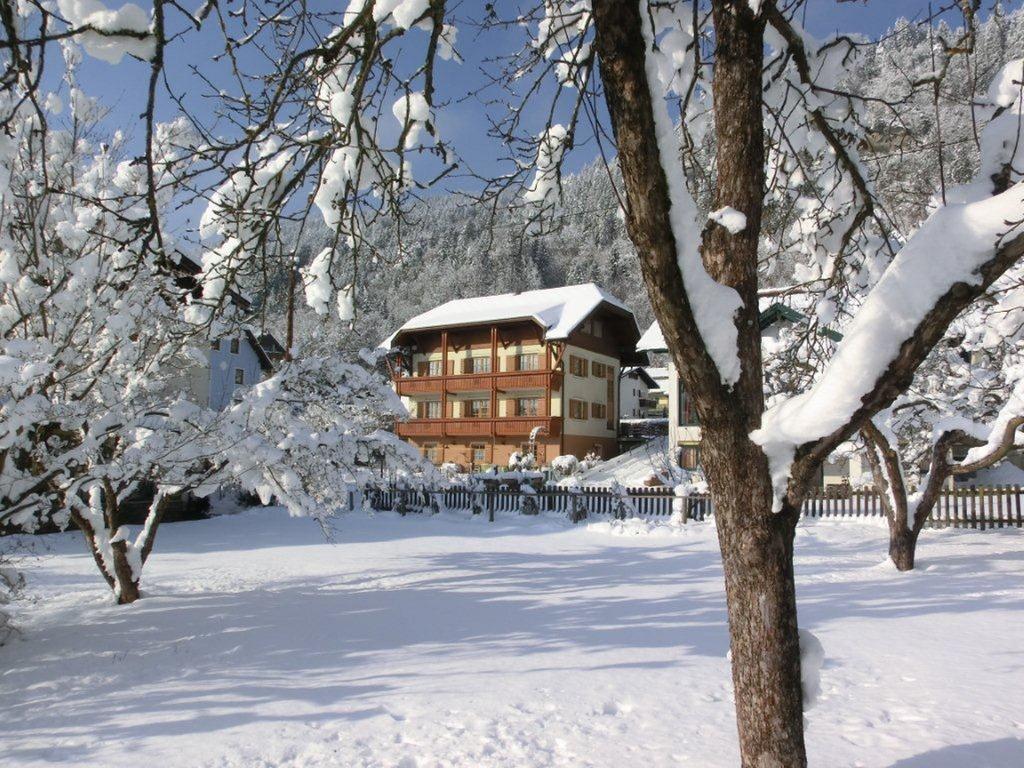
478,409
600,370
598,410
689,456
430,452
577,365
215,345
433,368
428,409
239,376
234,346
479,453
476,365
577,409
687,412
598,329
528,362
527,406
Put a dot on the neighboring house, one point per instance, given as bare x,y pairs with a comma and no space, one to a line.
234,362
659,394
481,376
684,427
231,362
635,401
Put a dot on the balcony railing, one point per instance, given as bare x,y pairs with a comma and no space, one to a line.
511,426
501,381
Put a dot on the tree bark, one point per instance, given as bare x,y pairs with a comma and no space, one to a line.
757,558
126,585
902,545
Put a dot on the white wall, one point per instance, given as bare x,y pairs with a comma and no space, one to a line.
222,365
591,390
631,390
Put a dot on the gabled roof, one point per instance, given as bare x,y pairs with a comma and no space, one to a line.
265,362
642,374
654,341
558,311
271,346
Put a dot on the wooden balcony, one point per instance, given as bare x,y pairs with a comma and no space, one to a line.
470,382
511,426
418,385
503,381
420,428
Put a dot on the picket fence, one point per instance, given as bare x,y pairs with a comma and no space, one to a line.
969,507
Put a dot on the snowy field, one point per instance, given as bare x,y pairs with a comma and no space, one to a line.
444,641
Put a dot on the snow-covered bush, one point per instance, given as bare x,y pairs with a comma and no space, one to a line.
565,466
451,470
528,502
591,460
623,505
521,462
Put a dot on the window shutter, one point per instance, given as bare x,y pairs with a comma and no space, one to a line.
511,363
451,367
421,369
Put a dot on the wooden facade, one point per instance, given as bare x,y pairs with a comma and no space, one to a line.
476,393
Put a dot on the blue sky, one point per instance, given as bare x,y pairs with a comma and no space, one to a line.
463,122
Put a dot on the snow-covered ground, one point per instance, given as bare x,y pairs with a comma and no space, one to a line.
446,641
631,468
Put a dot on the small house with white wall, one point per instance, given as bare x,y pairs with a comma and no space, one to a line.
635,386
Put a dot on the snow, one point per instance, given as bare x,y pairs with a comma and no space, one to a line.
558,310
550,148
812,658
111,49
730,218
447,641
652,340
631,468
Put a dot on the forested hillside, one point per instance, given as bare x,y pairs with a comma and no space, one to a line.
453,247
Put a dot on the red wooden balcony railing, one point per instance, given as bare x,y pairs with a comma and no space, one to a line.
511,426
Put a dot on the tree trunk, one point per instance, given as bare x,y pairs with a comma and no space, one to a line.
126,585
902,544
757,557
756,543
120,579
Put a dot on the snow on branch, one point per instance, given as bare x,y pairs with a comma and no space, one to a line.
961,249
110,34
667,34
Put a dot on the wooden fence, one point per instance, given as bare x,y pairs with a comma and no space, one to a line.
972,507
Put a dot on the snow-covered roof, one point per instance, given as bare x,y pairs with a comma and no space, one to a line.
652,340
558,310
659,374
640,373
